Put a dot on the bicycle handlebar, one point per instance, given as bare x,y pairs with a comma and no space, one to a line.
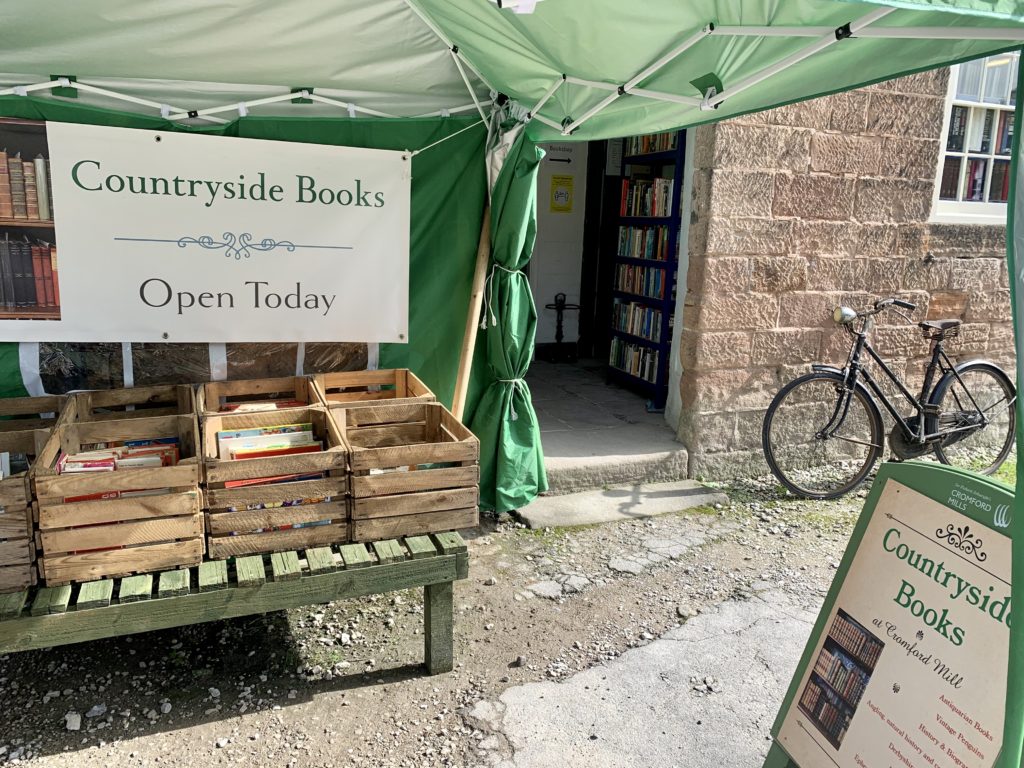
892,302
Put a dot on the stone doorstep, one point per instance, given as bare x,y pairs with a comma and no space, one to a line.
623,502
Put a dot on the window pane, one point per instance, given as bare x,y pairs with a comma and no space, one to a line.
1004,141
968,86
974,180
979,130
1013,81
950,178
999,192
997,79
957,129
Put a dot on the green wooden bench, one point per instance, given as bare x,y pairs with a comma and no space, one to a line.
49,616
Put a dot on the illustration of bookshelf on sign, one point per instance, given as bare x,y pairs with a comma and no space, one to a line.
841,673
29,286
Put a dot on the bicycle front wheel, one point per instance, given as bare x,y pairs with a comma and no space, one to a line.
979,394
820,440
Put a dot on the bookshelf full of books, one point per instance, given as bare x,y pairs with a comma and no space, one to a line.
644,280
840,675
29,285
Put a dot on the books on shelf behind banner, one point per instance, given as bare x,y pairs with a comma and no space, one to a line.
655,142
636,319
25,188
642,281
644,242
28,274
634,359
646,197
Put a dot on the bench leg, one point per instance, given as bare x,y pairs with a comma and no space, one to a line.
438,633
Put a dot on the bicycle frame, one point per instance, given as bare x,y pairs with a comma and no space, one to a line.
939,362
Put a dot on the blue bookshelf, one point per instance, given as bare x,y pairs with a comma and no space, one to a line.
646,264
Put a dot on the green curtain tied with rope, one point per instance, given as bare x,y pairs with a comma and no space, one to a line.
511,461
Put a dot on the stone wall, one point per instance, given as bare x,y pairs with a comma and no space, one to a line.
800,209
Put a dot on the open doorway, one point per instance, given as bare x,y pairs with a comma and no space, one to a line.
603,275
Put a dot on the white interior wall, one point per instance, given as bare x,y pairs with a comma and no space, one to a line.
558,254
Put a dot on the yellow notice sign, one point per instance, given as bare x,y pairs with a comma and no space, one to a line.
561,194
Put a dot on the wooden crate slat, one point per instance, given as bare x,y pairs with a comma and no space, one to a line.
125,534
373,529
16,552
173,583
218,471
284,566
450,542
251,520
387,436
135,588
57,487
15,523
414,503
250,571
355,556
252,391
116,510
14,493
420,546
352,388
388,413
407,455
387,483
213,574
130,403
320,560
11,605
219,498
150,557
15,578
95,594
388,551
269,541
51,600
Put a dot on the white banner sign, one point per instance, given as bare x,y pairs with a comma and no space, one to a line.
188,238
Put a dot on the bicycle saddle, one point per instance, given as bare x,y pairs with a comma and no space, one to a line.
940,325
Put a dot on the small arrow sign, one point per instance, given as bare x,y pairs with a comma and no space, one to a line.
561,159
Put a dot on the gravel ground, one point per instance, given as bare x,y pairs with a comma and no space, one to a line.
341,684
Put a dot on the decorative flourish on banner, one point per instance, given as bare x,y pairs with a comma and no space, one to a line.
234,245
962,538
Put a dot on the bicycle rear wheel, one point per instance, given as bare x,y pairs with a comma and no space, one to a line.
980,389
820,440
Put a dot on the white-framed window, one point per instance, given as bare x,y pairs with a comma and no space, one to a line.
973,179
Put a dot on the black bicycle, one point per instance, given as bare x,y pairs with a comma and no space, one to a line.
823,432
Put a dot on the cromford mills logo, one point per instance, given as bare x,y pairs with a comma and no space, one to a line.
1001,516
967,500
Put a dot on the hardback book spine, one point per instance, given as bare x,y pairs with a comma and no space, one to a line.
42,188
17,174
53,270
39,274
5,263
48,289
26,290
31,194
6,209
49,185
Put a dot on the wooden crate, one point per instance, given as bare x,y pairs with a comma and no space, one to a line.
233,529
30,413
397,385
129,403
213,395
17,549
100,538
414,470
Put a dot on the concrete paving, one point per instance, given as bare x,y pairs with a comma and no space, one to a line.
625,502
704,694
596,434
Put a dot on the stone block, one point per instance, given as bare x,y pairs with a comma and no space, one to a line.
738,311
1000,340
700,195
973,340
989,307
849,112
806,309
931,82
748,236
968,240
947,305
875,240
727,465
977,274
803,114
761,147
729,390
835,346
741,193
726,274
748,431
845,153
927,275
809,196
909,158
897,340
774,274
825,238
703,138
708,350
893,200
912,239
713,432
785,346
831,273
891,114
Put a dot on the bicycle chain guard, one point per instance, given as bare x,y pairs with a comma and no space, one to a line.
903,449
